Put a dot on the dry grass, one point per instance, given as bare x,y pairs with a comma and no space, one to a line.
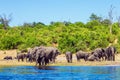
60,61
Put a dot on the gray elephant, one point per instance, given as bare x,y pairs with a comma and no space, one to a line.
31,55
82,55
40,57
21,56
51,53
8,57
93,58
68,57
44,55
23,51
110,52
100,53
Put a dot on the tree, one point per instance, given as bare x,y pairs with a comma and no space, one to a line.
27,24
92,23
80,24
118,19
110,15
95,17
67,23
38,24
106,22
4,20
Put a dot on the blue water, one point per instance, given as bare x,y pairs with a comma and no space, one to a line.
60,73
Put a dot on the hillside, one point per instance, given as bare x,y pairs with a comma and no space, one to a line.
66,36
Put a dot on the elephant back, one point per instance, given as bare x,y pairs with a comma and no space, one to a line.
80,53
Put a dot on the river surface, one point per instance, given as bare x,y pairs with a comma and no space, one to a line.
60,73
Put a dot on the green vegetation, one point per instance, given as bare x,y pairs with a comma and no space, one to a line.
66,36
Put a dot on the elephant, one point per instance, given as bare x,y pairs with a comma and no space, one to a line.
31,55
40,57
82,55
8,57
21,56
93,58
110,52
100,53
51,53
68,57
46,54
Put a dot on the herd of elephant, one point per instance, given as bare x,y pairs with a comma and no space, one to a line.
41,55
44,55
98,54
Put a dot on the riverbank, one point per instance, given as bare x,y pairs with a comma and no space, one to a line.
82,63
60,61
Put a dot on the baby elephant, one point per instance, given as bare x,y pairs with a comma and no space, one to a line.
93,57
68,57
21,56
8,58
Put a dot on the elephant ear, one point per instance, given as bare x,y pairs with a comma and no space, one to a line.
92,53
103,50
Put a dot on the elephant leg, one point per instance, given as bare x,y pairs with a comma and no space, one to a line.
85,58
22,59
68,60
113,57
103,58
109,58
53,60
42,61
106,58
78,59
36,62
97,59
39,64
50,59
46,61
30,60
26,59
18,60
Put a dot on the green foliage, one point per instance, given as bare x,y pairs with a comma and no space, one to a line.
1,26
66,36
92,23
106,22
